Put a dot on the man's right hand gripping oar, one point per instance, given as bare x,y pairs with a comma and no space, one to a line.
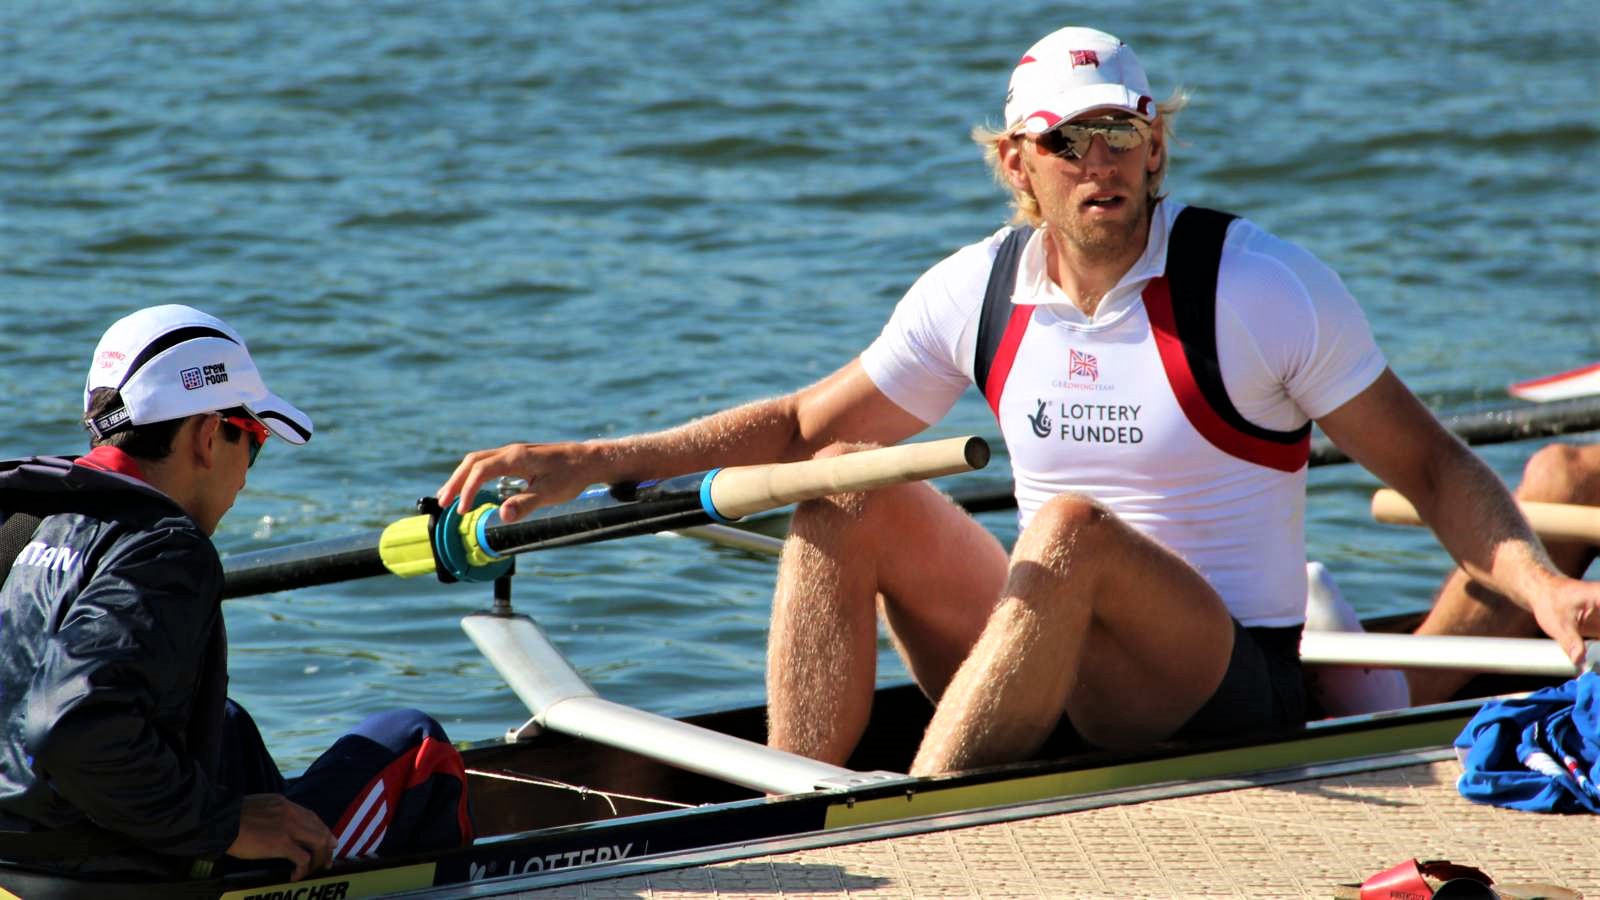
555,473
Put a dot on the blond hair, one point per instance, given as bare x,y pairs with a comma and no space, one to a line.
1025,207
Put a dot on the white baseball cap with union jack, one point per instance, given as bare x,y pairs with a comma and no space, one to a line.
1071,71
172,361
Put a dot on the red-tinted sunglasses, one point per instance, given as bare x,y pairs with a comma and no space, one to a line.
257,431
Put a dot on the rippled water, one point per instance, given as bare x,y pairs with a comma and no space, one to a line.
448,226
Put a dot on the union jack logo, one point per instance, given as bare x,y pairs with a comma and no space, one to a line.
1085,58
1082,364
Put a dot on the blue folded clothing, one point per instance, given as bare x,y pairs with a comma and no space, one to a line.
1539,753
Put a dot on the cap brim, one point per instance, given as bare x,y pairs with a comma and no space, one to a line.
281,418
1079,100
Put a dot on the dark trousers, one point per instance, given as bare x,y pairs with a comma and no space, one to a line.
393,785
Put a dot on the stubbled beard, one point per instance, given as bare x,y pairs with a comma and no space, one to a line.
1100,239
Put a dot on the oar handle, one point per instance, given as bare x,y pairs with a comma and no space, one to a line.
1551,521
739,491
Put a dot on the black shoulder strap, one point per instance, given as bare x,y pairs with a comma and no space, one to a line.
1194,252
997,302
15,533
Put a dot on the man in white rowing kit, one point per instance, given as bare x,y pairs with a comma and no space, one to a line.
1154,369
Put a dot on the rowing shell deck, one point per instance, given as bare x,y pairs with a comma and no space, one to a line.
1291,839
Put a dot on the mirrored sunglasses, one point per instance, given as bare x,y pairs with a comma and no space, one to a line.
258,433
1070,140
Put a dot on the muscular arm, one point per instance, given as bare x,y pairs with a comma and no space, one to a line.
1390,432
845,406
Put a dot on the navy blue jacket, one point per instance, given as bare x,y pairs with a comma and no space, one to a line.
114,674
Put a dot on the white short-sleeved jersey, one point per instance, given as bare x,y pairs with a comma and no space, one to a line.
1088,407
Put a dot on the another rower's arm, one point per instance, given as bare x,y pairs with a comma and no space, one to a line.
1390,432
845,406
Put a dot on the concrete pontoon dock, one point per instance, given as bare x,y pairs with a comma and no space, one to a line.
1293,838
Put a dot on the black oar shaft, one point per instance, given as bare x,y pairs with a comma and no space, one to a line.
472,545
604,514
597,515
302,565
1500,426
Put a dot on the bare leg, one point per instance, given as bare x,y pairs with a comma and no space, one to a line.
936,573
1558,473
1095,619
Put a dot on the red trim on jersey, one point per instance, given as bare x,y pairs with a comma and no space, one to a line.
442,758
107,458
1005,355
1283,457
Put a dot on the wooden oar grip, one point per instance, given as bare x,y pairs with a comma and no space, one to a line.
1551,521
741,490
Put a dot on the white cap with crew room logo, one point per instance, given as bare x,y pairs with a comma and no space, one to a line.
170,362
1071,71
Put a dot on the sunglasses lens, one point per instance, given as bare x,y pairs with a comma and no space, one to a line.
254,431
1066,142
1121,136
1072,141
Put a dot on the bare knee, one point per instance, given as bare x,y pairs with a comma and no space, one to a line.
1068,517
857,515
834,509
843,447
1562,473
1068,534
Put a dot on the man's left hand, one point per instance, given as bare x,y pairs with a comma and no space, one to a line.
1568,611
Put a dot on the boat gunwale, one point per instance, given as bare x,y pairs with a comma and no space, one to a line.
848,834
761,821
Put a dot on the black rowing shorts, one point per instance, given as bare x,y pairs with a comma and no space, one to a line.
1263,689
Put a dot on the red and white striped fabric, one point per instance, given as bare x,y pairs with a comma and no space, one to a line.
365,823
